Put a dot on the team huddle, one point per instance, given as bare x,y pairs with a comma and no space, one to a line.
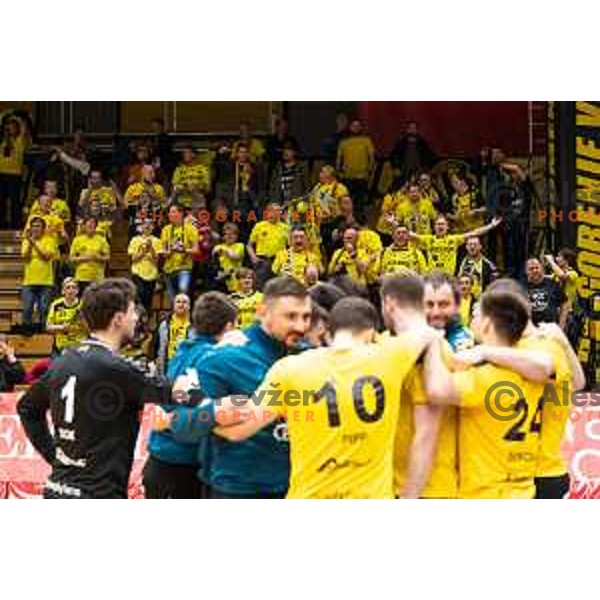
325,396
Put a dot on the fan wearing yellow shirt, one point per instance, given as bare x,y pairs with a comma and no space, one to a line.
89,253
442,248
58,207
230,255
101,200
296,260
401,255
267,238
564,273
55,226
327,193
350,260
500,410
256,149
552,477
428,190
370,244
342,405
144,251
39,251
416,213
247,298
172,330
467,212
180,241
389,208
190,176
155,194
64,320
465,309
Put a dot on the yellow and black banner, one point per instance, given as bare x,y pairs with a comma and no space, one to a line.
587,199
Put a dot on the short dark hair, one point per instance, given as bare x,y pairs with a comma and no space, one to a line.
102,300
353,314
284,286
318,314
244,272
569,255
405,290
326,295
510,286
212,312
438,279
508,312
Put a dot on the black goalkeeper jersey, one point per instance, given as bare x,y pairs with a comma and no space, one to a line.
95,398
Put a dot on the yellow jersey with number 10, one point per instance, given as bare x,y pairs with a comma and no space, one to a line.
342,408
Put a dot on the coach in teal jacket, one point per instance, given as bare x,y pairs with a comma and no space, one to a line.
257,467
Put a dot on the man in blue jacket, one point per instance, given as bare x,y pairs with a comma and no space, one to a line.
171,468
258,467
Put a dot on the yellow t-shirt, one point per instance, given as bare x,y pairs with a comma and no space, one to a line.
84,244
59,207
327,196
290,262
342,408
389,206
135,190
103,201
62,314
418,217
556,407
464,310
186,235
570,285
178,330
13,163
369,242
147,267
463,204
269,238
229,265
38,271
356,156
497,453
255,151
396,259
442,251
341,257
54,225
247,305
191,176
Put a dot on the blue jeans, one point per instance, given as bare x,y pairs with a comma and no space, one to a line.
179,282
33,295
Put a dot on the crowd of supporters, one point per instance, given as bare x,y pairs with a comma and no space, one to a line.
246,210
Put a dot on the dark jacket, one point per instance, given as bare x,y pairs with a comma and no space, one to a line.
10,374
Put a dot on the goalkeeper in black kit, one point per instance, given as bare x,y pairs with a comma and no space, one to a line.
95,397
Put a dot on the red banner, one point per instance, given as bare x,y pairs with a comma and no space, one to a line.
23,472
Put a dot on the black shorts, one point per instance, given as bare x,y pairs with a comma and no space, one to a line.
163,480
552,488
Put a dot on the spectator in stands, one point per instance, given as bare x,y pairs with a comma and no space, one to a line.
11,370
230,256
101,200
39,251
246,188
59,207
246,298
295,260
467,206
13,144
387,213
180,241
411,154
416,213
429,191
290,177
64,320
331,144
349,261
55,226
481,270
564,273
333,229
401,255
465,284
162,148
255,147
190,177
356,163
546,296
328,193
277,142
144,199
172,330
145,250
268,238
133,172
89,254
